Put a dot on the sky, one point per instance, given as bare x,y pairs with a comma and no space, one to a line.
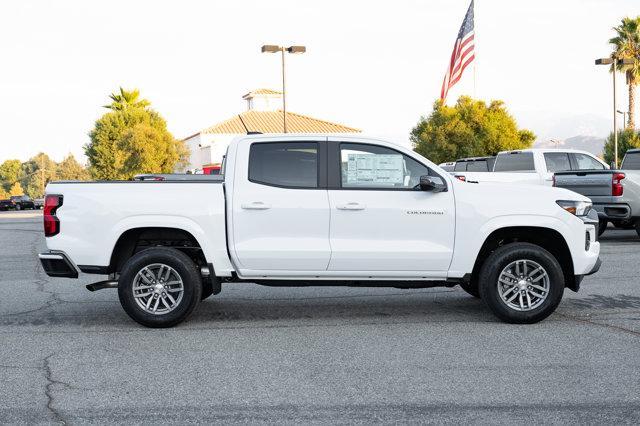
374,65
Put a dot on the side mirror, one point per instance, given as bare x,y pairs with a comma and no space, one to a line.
432,183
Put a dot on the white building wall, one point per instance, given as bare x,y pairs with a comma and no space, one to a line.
206,149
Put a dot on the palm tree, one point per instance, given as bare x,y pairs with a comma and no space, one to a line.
627,46
127,99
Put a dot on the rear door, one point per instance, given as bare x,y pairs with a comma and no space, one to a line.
280,207
379,221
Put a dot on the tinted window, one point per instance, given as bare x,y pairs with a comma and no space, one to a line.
514,162
369,166
291,164
461,166
631,161
557,161
477,166
586,162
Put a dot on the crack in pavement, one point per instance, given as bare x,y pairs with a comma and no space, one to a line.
48,389
609,326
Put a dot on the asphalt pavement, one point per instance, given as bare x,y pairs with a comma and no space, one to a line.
315,355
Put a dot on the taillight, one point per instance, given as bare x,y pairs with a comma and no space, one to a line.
616,184
553,180
51,221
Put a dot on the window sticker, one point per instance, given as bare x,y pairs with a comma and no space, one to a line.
370,169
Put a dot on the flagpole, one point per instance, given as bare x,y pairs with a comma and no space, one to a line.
475,36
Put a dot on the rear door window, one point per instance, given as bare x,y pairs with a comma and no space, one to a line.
586,162
557,161
477,166
461,166
515,162
284,164
631,161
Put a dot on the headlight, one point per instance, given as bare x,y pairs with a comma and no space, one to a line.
578,208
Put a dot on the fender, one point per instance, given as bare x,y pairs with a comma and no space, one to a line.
211,253
467,251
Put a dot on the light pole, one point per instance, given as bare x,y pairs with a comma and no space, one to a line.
618,62
624,117
271,48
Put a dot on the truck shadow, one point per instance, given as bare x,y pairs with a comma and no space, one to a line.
420,306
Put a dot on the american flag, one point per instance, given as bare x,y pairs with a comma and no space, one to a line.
463,54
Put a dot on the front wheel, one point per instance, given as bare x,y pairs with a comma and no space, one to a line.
159,287
602,226
521,283
18,207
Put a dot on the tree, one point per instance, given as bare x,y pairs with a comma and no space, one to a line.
16,189
627,46
3,194
10,172
70,169
627,139
470,128
131,140
127,99
37,172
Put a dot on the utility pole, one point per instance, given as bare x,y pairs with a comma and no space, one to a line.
271,48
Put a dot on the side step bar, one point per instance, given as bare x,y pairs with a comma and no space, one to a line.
102,285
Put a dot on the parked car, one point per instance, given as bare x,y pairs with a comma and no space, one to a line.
23,202
615,193
7,205
535,166
295,210
38,203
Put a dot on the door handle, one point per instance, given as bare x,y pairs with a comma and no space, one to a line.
351,206
256,205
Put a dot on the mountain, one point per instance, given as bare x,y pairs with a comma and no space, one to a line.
592,144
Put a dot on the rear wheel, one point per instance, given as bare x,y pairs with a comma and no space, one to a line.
18,207
159,287
521,283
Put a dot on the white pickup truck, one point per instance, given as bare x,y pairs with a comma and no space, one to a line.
292,210
534,166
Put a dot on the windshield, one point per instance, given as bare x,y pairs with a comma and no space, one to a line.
631,161
514,162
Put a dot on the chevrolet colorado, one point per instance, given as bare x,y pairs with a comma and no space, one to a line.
293,210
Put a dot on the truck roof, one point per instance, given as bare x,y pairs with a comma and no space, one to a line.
543,150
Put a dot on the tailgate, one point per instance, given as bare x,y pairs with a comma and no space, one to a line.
590,183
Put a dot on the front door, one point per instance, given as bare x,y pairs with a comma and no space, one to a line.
380,221
280,208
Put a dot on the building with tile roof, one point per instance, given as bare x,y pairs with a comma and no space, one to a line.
263,115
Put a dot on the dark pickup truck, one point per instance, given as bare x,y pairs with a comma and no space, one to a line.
615,193
23,202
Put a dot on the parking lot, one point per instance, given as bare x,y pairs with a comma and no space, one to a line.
315,355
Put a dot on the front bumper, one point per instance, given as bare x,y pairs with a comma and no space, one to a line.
57,264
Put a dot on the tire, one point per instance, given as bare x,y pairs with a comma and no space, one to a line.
602,226
161,263
638,227
471,288
18,207
516,311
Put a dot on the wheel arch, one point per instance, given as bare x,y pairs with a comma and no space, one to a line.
136,239
547,238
